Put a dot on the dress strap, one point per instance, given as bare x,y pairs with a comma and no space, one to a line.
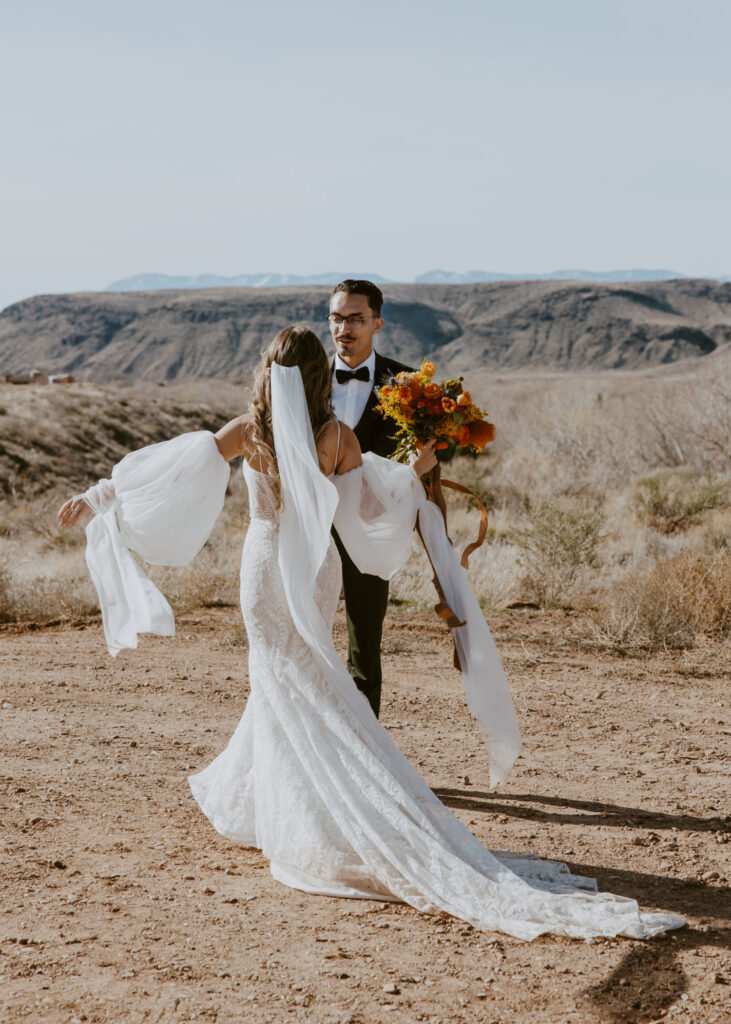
337,447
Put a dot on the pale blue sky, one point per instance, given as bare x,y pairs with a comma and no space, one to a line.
393,137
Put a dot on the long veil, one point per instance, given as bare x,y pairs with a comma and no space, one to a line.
375,508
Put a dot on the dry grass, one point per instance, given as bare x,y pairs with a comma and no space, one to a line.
606,493
668,604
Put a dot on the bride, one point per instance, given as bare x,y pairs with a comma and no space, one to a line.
310,776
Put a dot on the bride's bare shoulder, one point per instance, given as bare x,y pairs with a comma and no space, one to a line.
349,454
233,438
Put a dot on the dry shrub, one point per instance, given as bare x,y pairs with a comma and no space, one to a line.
669,502
31,597
6,603
558,543
688,423
669,604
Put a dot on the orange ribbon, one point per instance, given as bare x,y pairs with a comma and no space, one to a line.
481,533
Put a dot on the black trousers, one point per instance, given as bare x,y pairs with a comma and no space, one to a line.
366,601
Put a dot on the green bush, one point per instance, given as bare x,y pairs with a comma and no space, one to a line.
558,543
670,502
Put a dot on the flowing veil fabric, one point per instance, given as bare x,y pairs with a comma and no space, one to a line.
374,508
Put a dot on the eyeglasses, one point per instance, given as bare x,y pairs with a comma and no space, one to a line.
334,319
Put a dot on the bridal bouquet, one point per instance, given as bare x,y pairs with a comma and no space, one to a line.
423,409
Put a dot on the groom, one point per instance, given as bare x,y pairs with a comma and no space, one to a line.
355,319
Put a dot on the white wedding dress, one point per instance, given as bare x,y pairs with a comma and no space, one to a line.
309,776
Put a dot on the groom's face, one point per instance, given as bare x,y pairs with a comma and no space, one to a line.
353,341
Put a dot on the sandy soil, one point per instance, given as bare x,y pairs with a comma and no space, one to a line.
120,902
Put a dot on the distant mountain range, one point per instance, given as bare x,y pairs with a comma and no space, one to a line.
158,282
501,326
165,282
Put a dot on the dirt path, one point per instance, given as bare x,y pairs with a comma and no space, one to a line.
121,904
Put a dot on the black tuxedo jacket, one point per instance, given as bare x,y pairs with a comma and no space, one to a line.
373,430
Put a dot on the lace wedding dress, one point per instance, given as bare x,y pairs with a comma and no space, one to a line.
309,776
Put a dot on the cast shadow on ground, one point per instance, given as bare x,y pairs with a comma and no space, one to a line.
652,966
591,812
655,978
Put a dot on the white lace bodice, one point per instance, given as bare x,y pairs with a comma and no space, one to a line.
263,502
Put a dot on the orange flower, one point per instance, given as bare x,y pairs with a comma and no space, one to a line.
481,433
428,369
448,405
463,437
441,445
432,391
404,394
464,398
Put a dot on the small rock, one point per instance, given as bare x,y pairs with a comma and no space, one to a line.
685,997
710,876
8,704
466,780
59,864
208,891
391,989
623,982
720,979
705,928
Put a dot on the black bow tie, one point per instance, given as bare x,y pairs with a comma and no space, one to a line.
343,376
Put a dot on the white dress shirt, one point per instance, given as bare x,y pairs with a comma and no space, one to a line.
349,400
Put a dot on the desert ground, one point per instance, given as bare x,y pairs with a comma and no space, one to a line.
122,904
606,578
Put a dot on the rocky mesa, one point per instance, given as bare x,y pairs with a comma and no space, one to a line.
531,326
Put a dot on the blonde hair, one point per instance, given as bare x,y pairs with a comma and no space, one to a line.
294,346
